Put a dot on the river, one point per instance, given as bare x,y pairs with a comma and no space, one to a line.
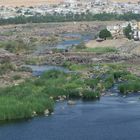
76,38
113,117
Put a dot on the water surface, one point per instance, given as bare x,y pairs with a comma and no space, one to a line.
76,38
112,118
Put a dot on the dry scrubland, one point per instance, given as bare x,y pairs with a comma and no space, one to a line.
125,45
35,35
134,1
27,2
41,2
107,43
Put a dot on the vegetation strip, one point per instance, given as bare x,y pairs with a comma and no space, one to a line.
37,96
70,17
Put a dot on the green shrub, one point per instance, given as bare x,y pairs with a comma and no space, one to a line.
16,77
80,46
101,50
119,74
25,68
109,81
72,93
52,74
6,67
90,95
131,86
92,83
105,34
54,91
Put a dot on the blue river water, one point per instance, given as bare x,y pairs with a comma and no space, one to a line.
76,38
113,117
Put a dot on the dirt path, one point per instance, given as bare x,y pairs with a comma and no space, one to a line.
107,43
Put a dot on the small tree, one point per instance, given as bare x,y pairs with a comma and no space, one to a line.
105,34
128,31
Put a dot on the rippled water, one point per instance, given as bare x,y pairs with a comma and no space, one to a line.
112,118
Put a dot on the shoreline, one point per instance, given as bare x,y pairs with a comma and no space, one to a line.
68,86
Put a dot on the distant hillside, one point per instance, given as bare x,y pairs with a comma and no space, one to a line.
27,2
132,1
41,2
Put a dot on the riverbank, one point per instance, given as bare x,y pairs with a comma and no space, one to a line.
38,95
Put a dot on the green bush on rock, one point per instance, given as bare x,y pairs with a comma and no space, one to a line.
34,96
90,95
131,86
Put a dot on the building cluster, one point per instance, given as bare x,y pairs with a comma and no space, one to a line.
136,32
117,30
74,6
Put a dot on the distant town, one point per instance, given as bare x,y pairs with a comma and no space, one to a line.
74,6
